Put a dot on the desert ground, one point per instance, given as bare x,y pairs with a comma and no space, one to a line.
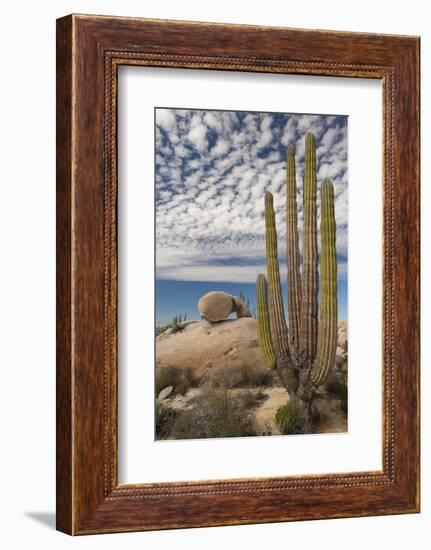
211,381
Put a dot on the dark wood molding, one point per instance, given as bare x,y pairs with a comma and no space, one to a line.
89,51
64,281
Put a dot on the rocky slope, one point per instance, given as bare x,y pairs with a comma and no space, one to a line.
203,346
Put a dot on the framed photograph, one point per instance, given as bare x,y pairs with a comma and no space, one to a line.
237,274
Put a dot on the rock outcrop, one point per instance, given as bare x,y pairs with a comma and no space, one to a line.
203,346
342,343
166,392
216,306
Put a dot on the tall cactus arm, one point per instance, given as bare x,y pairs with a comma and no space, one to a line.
278,320
328,325
293,275
308,337
263,323
279,333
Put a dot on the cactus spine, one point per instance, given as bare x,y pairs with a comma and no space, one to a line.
304,354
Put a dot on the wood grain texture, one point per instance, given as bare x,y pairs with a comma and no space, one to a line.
64,497
90,49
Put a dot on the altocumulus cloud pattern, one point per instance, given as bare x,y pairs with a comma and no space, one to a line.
212,170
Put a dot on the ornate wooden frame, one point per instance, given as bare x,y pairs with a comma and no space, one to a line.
89,51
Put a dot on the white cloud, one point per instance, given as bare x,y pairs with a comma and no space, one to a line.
210,208
265,135
198,134
165,118
212,121
220,148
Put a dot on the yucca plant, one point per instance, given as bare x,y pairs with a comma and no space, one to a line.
303,352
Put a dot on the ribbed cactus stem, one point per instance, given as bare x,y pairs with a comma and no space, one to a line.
304,361
308,336
279,333
278,321
263,323
293,274
328,324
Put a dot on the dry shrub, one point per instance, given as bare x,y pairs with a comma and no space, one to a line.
241,377
224,377
216,413
251,399
256,376
336,387
180,379
165,418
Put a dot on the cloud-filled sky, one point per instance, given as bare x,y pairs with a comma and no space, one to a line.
212,170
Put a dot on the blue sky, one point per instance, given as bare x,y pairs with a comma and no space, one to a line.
212,170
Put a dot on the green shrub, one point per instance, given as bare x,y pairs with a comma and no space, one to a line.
180,379
290,419
216,413
165,418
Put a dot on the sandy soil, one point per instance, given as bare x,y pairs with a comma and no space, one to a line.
332,418
265,413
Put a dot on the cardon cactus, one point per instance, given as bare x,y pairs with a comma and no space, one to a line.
303,352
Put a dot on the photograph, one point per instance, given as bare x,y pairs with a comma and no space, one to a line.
251,273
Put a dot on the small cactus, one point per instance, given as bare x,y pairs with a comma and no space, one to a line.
304,353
